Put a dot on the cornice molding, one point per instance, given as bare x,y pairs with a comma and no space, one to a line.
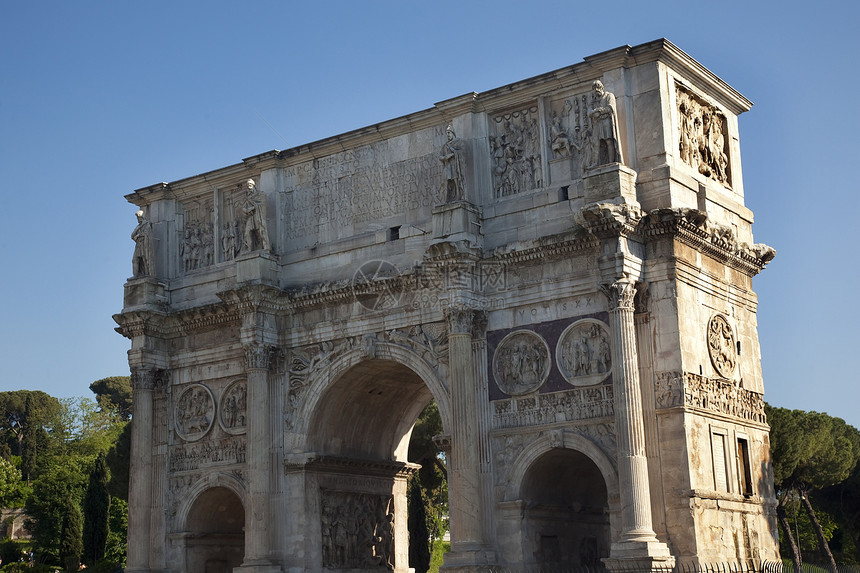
692,228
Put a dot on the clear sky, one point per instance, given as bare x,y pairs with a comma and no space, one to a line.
98,99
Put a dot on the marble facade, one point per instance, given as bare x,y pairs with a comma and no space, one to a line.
563,264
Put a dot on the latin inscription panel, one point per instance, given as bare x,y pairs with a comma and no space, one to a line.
363,189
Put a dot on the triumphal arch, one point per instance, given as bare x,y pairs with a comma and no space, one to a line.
562,264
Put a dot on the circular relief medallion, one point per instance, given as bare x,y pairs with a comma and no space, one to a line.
195,412
521,363
721,345
583,354
233,408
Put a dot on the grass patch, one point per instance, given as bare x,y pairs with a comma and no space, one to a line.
440,548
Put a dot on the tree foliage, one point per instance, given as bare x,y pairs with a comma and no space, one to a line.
96,509
71,545
21,408
810,451
114,393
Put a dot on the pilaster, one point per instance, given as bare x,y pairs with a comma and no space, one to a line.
468,547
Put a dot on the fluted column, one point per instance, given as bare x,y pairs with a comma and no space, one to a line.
257,537
637,539
140,472
464,470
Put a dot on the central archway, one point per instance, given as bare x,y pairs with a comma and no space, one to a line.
566,511
359,433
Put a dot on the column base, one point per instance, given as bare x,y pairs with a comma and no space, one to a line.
640,556
257,568
468,560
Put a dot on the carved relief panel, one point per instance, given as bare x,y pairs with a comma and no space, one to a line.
703,138
521,363
197,244
515,152
357,530
721,345
230,217
194,412
233,410
583,354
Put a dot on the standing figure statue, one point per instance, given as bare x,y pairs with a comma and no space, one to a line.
452,161
142,260
256,234
604,127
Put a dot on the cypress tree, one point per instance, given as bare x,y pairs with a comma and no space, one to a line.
96,509
419,546
70,541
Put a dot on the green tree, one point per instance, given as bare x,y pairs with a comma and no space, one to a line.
114,393
119,461
16,415
432,477
419,536
10,485
117,541
810,451
96,510
71,545
63,481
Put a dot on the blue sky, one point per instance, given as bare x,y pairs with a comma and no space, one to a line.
100,98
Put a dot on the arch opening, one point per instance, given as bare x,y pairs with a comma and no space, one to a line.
566,515
215,526
368,413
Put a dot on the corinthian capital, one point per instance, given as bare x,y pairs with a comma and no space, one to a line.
257,356
460,319
621,294
148,378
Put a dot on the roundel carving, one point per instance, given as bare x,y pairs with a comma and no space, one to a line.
721,345
233,410
195,412
521,363
583,354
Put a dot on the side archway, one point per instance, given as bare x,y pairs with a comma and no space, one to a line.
213,521
567,490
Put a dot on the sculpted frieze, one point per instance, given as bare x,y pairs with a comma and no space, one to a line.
568,406
584,128
197,246
430,341
583,354
357,530
188,457
521,363
515,152
674,389
703,136
194,412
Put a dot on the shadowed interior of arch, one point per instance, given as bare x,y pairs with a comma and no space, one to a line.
369,412
216,524
566,511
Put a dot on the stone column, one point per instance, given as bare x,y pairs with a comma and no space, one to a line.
637,542
464,471
140,472
258,457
